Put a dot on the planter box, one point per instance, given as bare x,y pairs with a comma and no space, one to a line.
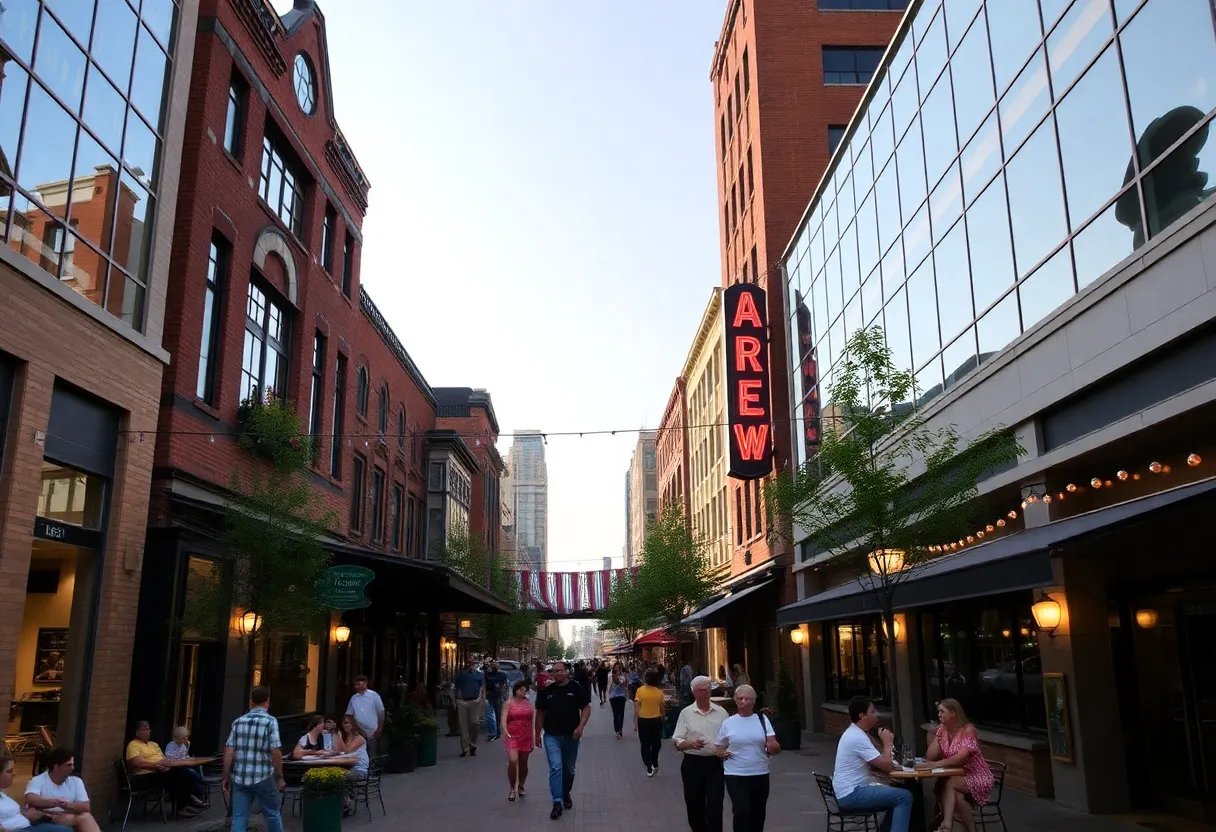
403,758
428,749
789,734
323,814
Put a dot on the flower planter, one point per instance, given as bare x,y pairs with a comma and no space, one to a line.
428,749
401,758
323,813
788,733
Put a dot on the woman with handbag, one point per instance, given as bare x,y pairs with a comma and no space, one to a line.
745,743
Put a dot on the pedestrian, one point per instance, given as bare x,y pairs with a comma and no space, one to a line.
618,695
745,742
581,676
649,706
601,681
367,708
517,720
60,795
13,815
543,677
496,692
697,729
562,710
253,764
857,762
686,677
470,688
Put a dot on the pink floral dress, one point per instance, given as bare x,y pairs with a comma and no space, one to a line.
975,771
519,725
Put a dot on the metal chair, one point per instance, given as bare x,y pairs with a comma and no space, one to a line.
367,787
151,793
990,812
213,777
840,820
295,794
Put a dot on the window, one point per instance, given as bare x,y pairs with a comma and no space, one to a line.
335,448
738,97
742,184
751,177
358,484
850,64
855,661
747,511
282,188
348,264
756,507
401,427
328,226
377,505
409,527
318,388
722,135
739,516
730,116
394,519
755,266
234,118
305,84
217,273
835,134
747,80
361,393
382,412
863,5
267,335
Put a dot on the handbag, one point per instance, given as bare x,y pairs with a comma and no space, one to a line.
764,730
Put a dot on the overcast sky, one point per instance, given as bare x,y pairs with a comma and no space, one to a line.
543,221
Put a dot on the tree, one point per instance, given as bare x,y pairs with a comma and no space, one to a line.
570,653
473,561
626,613
675,577
554,649
884,486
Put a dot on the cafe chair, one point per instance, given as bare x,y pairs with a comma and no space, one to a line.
838,819
295,794
989,815
213,778
368,787
149,794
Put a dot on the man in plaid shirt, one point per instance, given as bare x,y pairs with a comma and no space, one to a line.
253,764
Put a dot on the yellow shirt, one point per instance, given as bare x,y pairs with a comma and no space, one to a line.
144,751
649,701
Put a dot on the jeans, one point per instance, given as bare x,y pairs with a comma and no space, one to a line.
897,802
618,713
268,798
704,791
562,753
650,734
748,801
492,709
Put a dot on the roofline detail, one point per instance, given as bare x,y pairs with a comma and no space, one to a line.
373,314
703,331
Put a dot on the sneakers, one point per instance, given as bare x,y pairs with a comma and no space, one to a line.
650,771
473,751
556,812
567,802
464,753
656,768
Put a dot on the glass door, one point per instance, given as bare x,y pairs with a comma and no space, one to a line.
185,706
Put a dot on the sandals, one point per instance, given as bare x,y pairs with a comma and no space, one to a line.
522,794
511,796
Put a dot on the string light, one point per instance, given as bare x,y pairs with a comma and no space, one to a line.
1155,467
1122,475
1095,482
1194,460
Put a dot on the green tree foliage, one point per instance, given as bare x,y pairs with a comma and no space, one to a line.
554,649
883,479
475,563
570,653
626,613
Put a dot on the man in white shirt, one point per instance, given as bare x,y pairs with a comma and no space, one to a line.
856,787
697,728
368,710
61,795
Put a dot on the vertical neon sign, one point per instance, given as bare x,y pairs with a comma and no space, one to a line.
749,408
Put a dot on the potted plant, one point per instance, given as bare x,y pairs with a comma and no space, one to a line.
401,730
323,790
787,721
428,741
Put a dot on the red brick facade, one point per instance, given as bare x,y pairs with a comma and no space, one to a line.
671,453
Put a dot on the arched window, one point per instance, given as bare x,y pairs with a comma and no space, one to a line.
401,427
361,393
382,411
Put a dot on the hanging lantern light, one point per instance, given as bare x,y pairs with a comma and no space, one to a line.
1146,618
887,561
341,634
1047,614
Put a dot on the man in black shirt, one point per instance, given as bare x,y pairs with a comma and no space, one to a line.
564,708
601,681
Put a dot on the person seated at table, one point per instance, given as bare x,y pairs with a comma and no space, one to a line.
312,744
955,746
854,781
144,756
179,748
351,742
60,795
329,735
145,759
14,815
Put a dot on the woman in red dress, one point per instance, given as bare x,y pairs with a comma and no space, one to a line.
518,716
955,745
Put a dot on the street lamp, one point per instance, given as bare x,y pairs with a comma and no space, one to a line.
1047,614
887,561
249,624
341,634
465,623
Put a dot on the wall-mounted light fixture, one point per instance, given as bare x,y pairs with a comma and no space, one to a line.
1146,618
249,624
465,623
341,634
798,635
1047,614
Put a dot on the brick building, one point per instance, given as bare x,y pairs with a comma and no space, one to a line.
84,268
671,452
469,414
786,79
267,297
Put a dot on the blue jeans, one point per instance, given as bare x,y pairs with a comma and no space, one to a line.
492,709
897,802
562,754
268,798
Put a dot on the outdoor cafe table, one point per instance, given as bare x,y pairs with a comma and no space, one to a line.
914,780
293,770
189,762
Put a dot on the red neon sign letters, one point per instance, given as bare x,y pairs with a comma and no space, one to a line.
747,400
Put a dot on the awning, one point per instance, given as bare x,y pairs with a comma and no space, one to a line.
421,584
655,638
1019,561
701,616
622,648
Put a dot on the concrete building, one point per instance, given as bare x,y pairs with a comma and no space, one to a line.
84,271
526,488
671,451
642,494
1022,202
627,549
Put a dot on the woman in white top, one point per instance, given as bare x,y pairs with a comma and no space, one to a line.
351,742
745,743
179,749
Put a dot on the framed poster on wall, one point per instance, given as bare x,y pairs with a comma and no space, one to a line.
50,654
1059,728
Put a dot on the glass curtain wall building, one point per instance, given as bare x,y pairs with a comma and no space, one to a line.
82,113
1006,155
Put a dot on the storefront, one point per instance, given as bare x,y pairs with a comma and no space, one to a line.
730,631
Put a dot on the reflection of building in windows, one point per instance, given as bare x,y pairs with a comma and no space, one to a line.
1176,184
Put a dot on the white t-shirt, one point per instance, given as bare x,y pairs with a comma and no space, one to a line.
10,814
366,708
853,756
745,739
71,790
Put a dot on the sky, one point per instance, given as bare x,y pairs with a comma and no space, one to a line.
543,218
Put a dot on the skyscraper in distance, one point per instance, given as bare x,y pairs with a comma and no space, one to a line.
526,491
